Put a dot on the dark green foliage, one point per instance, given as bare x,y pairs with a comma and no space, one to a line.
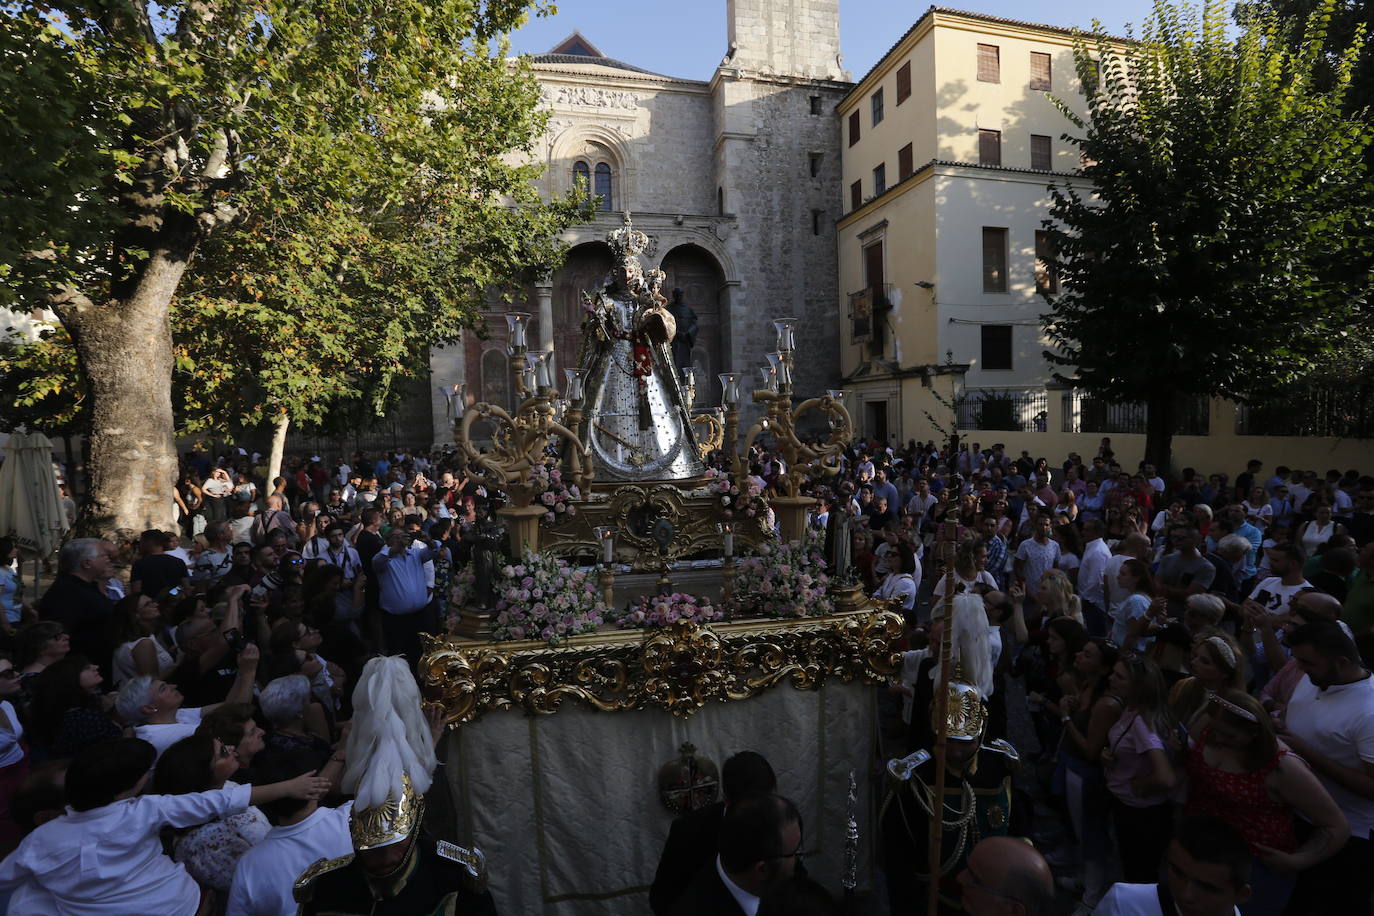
1226,250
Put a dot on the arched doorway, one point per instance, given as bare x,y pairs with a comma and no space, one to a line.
584,270
693,270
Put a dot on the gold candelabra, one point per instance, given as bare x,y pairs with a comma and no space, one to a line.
521,437
804,460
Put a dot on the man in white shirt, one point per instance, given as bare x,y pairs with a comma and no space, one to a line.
1034,556
1091,587
1329,722
104,856
1206,871
1268,606
302,834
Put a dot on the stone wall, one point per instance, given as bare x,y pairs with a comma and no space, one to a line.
785,218
724,166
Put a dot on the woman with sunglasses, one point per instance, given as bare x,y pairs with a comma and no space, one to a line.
39,645
1239,771
203,763
137,622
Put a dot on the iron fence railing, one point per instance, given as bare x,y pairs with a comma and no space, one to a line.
1332,411
1006,409
1085,413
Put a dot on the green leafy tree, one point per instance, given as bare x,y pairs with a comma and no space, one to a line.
311,192
41,387
1225,248
1350,19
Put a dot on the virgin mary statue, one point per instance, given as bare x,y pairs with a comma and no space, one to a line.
638,421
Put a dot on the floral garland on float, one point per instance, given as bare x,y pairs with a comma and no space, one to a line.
557,498
649,611
543,598
784,580
747,503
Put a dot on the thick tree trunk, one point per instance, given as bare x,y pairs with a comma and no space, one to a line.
1159,431
279,428
125,350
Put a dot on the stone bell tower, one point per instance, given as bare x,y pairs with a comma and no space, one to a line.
786,37
777,171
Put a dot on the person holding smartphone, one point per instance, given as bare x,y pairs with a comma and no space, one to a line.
402,592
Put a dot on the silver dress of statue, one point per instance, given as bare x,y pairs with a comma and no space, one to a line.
637,421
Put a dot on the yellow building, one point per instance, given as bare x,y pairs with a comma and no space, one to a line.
948,147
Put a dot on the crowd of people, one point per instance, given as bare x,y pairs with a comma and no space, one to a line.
1170,659
1174,648
176,709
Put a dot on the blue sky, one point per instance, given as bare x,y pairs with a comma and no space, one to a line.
687,39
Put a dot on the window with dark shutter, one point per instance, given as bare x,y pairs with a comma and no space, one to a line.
880,179
876,102
1046,279
1040,153
856,195
990,147
905,167
996,346
903,82
1040,71
989,64
853,127
994,260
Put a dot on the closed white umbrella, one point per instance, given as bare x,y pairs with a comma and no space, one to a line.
30,505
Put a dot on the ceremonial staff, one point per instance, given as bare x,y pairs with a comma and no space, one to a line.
943,651
849,875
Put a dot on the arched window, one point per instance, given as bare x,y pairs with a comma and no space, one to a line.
582,176
603,186
495,377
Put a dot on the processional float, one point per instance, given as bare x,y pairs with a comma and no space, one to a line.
610,477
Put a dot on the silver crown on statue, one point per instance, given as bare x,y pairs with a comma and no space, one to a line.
627,240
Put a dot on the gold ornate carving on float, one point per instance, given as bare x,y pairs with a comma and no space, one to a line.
678,669
632,509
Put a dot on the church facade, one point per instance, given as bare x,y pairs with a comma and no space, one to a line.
735,180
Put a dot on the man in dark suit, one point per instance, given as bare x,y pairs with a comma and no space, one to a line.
77,598
760,846
693,837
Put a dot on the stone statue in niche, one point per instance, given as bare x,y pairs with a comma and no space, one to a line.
638,424
686,336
